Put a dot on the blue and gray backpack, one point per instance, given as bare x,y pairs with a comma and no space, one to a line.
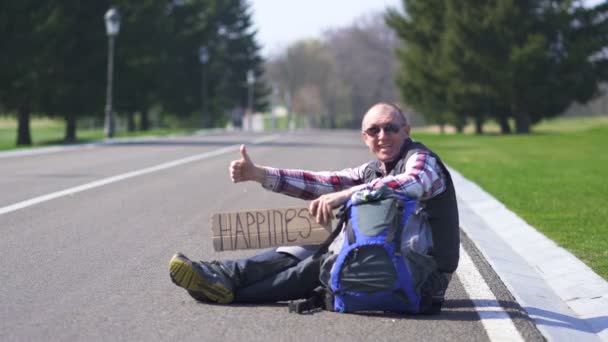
383,260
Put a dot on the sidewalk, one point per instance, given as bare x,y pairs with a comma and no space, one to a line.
564,297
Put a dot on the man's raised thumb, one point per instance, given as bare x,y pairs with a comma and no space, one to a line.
244,154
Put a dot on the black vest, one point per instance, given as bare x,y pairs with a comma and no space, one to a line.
442,209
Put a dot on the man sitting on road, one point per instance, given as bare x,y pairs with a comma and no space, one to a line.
289,273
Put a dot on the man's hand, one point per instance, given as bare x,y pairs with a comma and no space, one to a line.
244,169
322,207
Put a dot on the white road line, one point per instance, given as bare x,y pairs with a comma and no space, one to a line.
118,178
495,320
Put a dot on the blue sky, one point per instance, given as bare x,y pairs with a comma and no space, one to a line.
281,22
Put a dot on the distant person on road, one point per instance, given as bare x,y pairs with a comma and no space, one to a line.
290,273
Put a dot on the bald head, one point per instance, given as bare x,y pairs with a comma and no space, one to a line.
384,109
384,130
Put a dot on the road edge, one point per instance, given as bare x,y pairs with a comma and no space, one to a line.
564,297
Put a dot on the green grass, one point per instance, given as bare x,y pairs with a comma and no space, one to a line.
45,132
555,179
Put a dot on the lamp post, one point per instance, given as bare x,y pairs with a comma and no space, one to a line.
275,95
112,19
250,83
203,57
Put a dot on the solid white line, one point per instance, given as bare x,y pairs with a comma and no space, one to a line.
45,150
495,320
118,178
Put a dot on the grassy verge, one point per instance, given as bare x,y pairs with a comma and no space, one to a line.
46,132
555,179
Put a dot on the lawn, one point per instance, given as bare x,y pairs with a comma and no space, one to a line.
554,178
46,132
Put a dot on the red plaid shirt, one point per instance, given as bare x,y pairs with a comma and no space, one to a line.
422,179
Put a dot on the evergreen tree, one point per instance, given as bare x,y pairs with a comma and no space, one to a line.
239,53
23,37
54,58
420,79
138,67
507,58
225,29
75,83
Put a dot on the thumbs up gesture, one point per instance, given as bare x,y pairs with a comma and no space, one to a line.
244,169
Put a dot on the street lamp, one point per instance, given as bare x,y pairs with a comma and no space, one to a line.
275,97
112,19
250,82
203,57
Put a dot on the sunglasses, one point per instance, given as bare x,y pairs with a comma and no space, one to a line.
388,128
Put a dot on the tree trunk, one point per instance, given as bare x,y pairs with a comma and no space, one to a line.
459,128
130,121
23,126
144,122
460,123
503,121
522,124
70,128
522,121
478,124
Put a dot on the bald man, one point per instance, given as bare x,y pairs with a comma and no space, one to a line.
289,273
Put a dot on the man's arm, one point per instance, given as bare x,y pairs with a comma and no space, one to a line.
302,184
244,169
328,190
422,179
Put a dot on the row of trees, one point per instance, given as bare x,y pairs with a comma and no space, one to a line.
54,57
499,59
332,81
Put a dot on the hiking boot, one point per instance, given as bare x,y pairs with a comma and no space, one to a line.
204,281
200,297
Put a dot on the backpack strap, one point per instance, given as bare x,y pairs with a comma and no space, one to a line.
350,234
396,229
322,299
343,218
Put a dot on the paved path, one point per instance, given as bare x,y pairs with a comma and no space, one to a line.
87,232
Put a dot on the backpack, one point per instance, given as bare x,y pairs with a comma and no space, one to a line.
382,262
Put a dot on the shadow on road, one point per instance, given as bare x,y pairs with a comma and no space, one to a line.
462,310
594,324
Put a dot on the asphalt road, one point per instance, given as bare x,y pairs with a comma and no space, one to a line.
93,264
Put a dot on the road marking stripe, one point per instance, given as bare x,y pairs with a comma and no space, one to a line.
495,320
118,178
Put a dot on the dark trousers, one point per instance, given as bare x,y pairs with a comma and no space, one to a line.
273,276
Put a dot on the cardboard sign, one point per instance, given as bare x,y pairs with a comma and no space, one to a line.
265,228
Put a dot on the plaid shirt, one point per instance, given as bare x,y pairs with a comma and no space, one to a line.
422,179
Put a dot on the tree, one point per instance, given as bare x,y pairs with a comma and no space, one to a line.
138,67
75,83
365,63
522,59
348,70
55,54
23,37
420,78
303,70
225,28
240,54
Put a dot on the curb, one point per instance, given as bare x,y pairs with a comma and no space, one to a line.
564,297
105,141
